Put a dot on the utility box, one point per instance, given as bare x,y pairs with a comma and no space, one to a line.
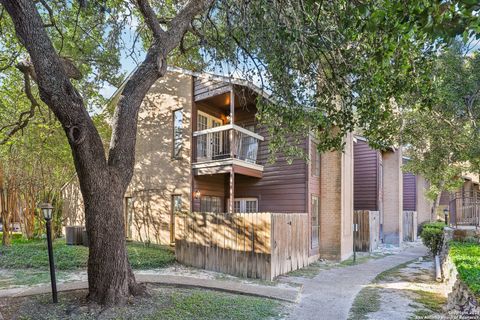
74,235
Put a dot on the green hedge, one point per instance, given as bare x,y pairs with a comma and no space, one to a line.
16,236
466,257
432,236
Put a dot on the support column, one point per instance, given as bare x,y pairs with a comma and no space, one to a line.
336,203
232,190
392,197
232,152
424,205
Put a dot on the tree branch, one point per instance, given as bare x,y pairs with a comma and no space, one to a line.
24,117
57,91
181,22
121,156
150,18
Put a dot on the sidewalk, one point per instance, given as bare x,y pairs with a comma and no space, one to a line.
278,293
330,294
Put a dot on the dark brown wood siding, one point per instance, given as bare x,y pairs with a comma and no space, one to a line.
409,190
210,185
283,187
365,183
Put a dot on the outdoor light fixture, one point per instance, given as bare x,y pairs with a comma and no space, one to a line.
445,212
229,119
197,194
47,209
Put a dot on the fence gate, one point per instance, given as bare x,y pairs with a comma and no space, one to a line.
367,232
410,225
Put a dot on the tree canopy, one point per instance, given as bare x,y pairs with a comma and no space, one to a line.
329,67
442,140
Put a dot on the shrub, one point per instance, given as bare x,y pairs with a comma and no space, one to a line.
15,236
438,225
432,237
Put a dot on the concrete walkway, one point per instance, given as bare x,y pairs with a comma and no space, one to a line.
329,296
289,294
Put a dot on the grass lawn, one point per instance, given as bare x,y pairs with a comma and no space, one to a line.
466,257
26,254
166,303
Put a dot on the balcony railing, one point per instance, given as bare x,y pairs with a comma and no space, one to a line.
465,208
226,142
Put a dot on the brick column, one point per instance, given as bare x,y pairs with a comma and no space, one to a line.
336,203
392,197
424,205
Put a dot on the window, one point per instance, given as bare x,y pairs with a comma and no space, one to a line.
209,145
210,204
315,160
176,203
245,205
315,220
129,211
177,133
176,208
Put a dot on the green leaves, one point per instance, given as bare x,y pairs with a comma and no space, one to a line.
442,139
331,67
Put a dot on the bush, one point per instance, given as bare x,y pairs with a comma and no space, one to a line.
438,224
432,237
15,236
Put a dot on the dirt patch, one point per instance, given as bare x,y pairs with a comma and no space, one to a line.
408,291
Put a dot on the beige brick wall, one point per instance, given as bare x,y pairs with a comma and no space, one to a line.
424,205
336,203
392,197
72,205
157,176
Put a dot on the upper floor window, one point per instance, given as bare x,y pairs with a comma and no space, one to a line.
177,133
315,160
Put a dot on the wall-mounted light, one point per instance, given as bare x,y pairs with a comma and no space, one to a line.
197,194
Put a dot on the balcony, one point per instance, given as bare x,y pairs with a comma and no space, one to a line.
223,148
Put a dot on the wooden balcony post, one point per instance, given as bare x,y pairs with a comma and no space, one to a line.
232,190
232,116
232,153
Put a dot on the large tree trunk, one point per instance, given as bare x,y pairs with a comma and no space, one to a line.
110,280
102,181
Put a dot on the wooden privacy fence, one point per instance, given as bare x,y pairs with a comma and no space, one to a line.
253,245
410,225
367,231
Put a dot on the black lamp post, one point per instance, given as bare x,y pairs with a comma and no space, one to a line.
47,214
445,212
